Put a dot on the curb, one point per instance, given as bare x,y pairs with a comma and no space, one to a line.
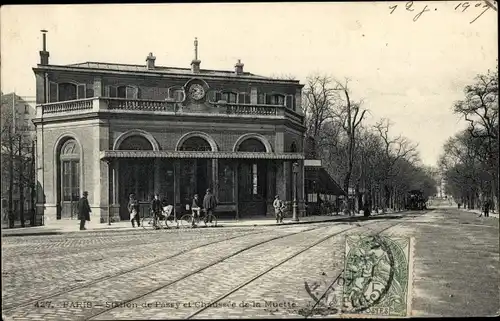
346,219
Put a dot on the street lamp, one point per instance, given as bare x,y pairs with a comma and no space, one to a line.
295,172
108,163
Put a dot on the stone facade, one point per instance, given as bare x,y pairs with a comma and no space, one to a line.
103,107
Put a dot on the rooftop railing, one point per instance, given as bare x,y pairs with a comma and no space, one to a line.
105,104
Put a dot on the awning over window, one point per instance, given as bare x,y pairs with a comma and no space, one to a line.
110,154
319,181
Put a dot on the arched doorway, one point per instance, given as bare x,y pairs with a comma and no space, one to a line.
68,179
195,174
252,180
136,175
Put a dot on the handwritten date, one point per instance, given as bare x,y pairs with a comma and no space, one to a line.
460,7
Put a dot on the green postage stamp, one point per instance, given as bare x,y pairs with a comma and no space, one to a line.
377,276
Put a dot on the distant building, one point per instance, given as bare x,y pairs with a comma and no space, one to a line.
17,111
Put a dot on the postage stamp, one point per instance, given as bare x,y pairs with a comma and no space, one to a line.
377,276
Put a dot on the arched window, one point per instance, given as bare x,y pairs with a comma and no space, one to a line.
195,144
252,145
70,170
136,142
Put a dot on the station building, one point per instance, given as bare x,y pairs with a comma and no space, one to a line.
113,129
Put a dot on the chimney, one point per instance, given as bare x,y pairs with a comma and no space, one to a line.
44,54
195,64
238,68
150,61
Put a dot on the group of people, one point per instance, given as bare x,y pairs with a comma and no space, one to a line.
159,207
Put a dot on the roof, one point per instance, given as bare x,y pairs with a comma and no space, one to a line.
325,183
161,69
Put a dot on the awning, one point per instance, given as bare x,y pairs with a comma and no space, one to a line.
110,154
324,183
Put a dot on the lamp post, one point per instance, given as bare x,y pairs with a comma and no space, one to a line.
108,163
295,172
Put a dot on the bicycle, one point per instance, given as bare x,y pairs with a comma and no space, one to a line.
149,221
164,220
187,220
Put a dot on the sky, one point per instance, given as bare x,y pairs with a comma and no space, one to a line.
406,67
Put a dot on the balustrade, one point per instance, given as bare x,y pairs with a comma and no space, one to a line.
67,106
103,104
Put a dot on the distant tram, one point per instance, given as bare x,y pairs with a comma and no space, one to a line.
415,200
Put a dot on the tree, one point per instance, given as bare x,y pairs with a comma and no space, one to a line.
350,115
394,150
475,150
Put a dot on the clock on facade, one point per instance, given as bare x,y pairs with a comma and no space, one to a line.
196,92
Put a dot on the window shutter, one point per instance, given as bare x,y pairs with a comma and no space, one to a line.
241,98
80,91
106,91
289,102
53,92
268,99
218,96
247,98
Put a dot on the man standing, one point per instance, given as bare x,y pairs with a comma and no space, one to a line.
486,208
209,204
84,210
278,209
133,209
156,208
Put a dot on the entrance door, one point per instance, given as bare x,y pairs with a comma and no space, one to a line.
252,188
195,178
136,176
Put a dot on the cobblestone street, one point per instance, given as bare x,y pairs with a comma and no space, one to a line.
249,272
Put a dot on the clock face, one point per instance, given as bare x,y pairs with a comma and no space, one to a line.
197,92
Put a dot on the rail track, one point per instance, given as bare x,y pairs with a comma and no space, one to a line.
212,264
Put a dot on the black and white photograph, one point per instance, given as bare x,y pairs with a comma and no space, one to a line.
259,160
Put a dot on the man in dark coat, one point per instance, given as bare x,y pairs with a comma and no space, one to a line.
209,204
84,210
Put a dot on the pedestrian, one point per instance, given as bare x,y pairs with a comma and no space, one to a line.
209,204
156,209
133,209
278,209
84,210
486,208
195,209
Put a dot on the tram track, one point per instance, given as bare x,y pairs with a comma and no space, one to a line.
47,298
259,275
213,264
198,270
156,261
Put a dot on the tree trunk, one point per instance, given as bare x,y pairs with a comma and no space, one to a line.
11,181
21,181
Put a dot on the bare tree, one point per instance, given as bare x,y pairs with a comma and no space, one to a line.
318,100
350,115
394,150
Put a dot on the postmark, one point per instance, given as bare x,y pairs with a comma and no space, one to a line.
377,276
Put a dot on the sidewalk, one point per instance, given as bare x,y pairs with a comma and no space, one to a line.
72,226
479,212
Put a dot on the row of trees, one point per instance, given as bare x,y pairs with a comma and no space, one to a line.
18,164
380,167
469,164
